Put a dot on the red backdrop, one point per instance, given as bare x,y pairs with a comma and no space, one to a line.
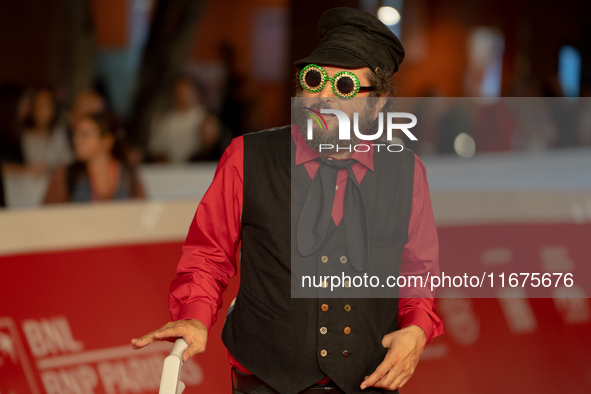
66,318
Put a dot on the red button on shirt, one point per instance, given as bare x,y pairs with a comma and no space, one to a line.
210,249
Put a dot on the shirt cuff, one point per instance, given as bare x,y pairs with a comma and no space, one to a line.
198,311
421,319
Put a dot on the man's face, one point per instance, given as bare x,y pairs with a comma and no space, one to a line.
326,99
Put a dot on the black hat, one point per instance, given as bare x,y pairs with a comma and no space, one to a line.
352,38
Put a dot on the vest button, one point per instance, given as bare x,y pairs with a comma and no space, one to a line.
324,284
324,307
323,353
347,330
347,308
323,330
343,259
347,283
345,353
324,259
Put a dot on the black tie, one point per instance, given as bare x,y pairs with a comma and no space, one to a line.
317,213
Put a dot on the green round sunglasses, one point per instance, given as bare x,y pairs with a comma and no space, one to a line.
344,84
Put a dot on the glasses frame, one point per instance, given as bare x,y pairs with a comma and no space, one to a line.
333,82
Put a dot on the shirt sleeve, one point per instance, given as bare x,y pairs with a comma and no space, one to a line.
209,251
420,257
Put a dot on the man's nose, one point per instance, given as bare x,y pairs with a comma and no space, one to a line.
326,94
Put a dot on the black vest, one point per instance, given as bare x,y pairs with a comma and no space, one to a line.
291,343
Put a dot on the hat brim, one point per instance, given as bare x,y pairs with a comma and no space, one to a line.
332,57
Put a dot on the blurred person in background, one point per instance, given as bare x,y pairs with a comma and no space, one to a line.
494,126
430,111
186,132
87,102
100,172
91,102
456,118
43,141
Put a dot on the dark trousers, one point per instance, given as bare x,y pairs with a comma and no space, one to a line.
243,383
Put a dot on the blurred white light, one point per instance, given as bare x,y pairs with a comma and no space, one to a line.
464,145
388,15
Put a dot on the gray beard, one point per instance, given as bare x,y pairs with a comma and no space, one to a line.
331,136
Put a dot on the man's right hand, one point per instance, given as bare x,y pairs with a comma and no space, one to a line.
193,331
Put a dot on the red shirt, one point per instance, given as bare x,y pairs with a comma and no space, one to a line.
210,250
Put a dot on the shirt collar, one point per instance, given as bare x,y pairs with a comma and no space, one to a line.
305,154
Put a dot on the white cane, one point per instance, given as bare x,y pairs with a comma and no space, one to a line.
170,382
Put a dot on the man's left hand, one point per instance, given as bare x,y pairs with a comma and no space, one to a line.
404,350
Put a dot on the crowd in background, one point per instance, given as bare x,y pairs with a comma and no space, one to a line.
500,124
117,100
84,153
83,150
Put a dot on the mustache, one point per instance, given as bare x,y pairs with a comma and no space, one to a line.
321,105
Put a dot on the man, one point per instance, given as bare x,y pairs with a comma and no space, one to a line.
281,344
